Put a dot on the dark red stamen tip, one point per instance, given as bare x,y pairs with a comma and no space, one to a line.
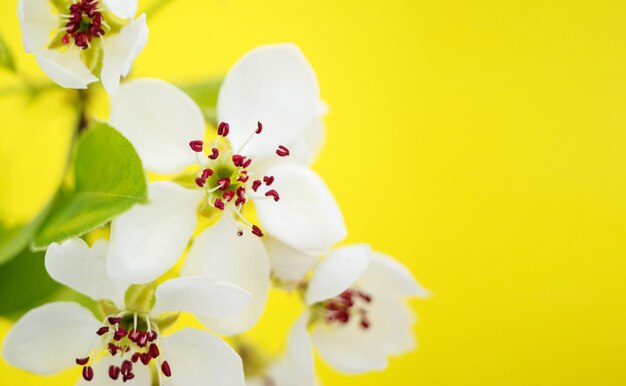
206,173
259,128
228,196
82,361
135,357
214,153
219,204
102,330
268,180
152,335
127,366
239,232
243,177
246,162
87,373
256,184
223,129
114,372
165,367
65,39
154,350
200,181
120,333
365,324
113,349
272,193
196,146
237,159
282,151
257,231
146,358
114,320
223,183
128,377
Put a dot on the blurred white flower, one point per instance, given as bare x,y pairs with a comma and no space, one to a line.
77,41
127,344
357,308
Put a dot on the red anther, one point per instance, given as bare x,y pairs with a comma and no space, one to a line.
256,184
282,151
223,129
102,330
113,349
82,361
259,128
134,335
347,294
219,204
223,183
365,323
165,368
214,153
114,372
146,358
127,377
114,320
87,373
342,316
119,334
206,173
152,335
237,159
246,163
365,297
135,357
268,180
241,191
240,201
65,39
143,340
239,232
228,196
243,177
196,146
127,366
257,231
200,182
154,350
272,193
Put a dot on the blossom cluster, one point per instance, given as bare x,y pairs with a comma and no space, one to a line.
232,211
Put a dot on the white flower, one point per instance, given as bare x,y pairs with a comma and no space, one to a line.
357,309
127,344
270,100
74,41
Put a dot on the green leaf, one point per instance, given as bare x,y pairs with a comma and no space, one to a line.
6,57
24,283
109,179
205,94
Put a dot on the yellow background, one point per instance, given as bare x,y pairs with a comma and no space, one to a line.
483,143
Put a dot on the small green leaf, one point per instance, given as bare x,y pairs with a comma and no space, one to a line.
205,94
109,179
140,297
6,57
24,283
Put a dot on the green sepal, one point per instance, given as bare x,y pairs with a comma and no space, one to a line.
140,298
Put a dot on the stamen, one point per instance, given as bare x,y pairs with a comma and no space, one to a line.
219,204
82,361
272,193
102,330
256,184
196,146
228,196
257,231
165,367
282,151
223,129
259,128
224,183
114,372
268,180
114,320
214,153
87,373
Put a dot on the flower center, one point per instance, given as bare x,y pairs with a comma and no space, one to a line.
133,342
349,304
84,23
227,179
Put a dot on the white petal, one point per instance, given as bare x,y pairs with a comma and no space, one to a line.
307,216
388,276
272,84
120,51
50,338
148,239
352,349
84,269
65,68
299,366
338,272
243,261
160,120
198,358
37,22
143,376
288,264
306,147
125,9
201,295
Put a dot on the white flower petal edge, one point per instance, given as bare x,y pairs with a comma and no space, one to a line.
241,260
201,359
67,69
273,84
47,339
288,263
335,274
120,51
160,120
307,216
84,269
200,295
147,240
37,21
